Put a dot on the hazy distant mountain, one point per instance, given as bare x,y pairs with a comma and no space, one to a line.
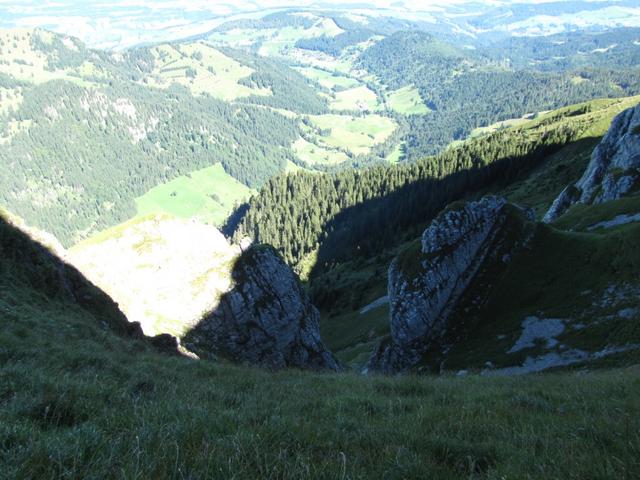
119,24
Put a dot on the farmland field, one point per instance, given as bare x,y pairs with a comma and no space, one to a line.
208,194
202,69
313,154
356,134
359,98
407,101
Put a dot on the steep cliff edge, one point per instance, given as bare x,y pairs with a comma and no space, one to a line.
26,265
170,278
265,319
426,283
614,169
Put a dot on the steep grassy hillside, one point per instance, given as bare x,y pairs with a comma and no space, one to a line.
579,290
343,292
77,401
164,272
27,268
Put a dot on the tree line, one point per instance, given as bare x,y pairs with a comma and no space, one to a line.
362,212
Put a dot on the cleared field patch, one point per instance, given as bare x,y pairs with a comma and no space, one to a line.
355,134
292,167
396,155
208,195
359,98
21,60
330,80
407,101
10,99
494,127
313,154
202,69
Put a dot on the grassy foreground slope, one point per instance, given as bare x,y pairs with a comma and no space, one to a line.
76,401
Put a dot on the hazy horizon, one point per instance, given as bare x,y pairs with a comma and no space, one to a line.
124,23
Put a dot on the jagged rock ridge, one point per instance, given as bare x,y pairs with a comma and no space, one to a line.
614,169
425,287
266,318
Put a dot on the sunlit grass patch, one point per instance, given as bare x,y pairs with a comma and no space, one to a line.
356,134
208,194
358,98
407,101
201,68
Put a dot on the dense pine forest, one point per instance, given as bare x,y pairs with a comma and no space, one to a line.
467,90
359,213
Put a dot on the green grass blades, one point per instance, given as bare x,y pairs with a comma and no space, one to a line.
76,402
209,194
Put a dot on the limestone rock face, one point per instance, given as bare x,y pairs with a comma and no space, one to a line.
425,286
614,169
267,318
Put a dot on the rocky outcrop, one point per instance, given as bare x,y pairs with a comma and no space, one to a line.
426,283
266,318
614,169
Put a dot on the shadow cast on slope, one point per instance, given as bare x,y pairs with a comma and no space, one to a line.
26,262
368,228
265,319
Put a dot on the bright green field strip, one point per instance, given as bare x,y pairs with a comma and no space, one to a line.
292,167
407,101
313,154
208,194
357,134
359,98
476,132
396,155
328,79
214,73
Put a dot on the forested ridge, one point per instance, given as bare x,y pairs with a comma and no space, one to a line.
81,148
335,45
74,169
612,49
290,89
357,212
467,89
